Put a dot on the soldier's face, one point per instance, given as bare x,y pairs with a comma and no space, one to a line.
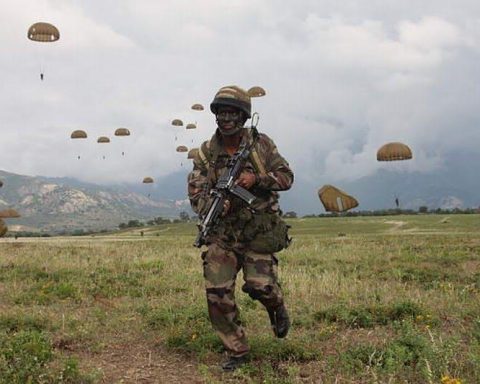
228,119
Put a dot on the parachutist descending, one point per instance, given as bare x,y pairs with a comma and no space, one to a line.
122,132
43,33
78,134
397,202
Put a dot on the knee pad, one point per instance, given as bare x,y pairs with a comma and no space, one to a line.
257,292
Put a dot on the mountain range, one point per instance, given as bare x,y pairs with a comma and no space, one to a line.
65,204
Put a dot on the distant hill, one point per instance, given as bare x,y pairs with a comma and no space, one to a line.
456,185
65,204
56,204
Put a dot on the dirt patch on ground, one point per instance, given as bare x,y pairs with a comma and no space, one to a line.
133,363
396,224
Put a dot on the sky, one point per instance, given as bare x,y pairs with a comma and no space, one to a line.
342,78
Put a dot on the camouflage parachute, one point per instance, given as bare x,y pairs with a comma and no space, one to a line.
78,134
393,152
103,139
177,123
197,107
43,32
191,126
147,180
336,200
256,91
122,132
182,148
192,153
3,228
9,213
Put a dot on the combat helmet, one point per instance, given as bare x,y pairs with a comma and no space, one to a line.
232,96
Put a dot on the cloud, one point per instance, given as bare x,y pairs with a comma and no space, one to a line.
341,80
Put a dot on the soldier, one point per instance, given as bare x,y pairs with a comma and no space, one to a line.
246,237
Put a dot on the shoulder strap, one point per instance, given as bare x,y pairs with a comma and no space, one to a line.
209,158
204,154
255,158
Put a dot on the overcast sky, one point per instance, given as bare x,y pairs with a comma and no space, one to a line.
341,80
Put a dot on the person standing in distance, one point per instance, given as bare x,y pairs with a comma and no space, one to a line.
246,237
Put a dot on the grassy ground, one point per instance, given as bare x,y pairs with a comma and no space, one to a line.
372,299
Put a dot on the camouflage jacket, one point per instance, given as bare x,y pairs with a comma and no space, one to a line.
271,170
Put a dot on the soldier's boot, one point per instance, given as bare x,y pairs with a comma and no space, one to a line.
234,362
279,320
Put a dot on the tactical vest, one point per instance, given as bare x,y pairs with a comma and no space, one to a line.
264,232
209,157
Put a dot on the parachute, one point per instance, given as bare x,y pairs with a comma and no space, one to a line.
3,228
147,180
43,32
122,132
336,200
78,134
9,214
191,126
177,123
256,91
394,151
103,140
192,153
197,107
182,148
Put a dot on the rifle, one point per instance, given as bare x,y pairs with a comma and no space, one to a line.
224,187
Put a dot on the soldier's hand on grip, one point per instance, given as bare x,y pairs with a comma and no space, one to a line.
226,207
246,179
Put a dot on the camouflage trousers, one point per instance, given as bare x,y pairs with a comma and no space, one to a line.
220,269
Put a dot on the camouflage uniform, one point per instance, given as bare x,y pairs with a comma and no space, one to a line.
229,246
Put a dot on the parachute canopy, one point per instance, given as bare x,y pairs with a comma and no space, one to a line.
191,126
3,228
394,151
78,134
177,123
336,200
43,32
147,180
192,153
197,107
122,132
256,91
9,214
182,148
103,139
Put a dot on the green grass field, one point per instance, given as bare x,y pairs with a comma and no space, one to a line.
372,299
